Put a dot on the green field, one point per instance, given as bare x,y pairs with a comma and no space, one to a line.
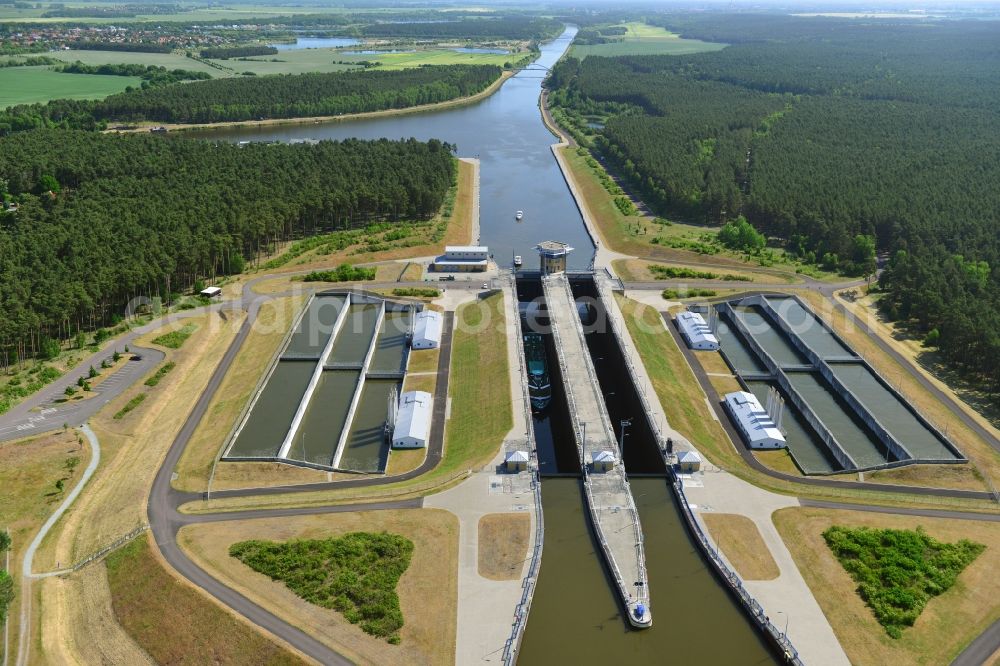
168,60
643,39
437,57
26,85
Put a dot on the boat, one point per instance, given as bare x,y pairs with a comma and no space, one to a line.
519,215
517,260
539,388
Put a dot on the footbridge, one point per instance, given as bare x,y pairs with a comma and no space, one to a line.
609,497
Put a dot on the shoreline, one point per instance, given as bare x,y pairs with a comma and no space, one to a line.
458,101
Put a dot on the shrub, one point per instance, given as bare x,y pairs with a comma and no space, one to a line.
898,571
160,374
129,406
174,339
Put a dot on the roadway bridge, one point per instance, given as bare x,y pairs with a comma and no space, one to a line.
609,497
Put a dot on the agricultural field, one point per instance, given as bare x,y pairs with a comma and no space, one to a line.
27,85
643,39
168,60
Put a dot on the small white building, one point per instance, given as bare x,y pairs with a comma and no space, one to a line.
427,330
688,462
211,292
516,461
603,461
413,421
696,332
463,259
753,422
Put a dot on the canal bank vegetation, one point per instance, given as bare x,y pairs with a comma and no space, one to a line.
427,591
227,206
948,623
355,574
146,599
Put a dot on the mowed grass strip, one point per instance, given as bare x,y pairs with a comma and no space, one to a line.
176,624
742,544
479,386
503,545
27,85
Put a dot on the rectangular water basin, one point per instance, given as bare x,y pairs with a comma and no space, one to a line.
268,423
325,418
356,334
767,336
854,437
805,446
366,448
889,410
313,331
390,348
804,324
744,360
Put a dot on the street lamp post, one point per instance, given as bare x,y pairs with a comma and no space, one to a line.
621,442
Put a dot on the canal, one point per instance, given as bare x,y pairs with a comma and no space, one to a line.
505,131
576,616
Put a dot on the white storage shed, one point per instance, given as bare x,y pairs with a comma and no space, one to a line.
427,330
753,422
696,332
413,421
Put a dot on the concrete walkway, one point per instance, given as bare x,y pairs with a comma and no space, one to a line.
788,595
486,608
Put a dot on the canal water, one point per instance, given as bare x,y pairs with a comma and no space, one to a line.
505,131
576,616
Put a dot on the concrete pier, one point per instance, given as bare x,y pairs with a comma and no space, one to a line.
609,498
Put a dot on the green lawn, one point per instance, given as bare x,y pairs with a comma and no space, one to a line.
27,85
438,57
174,339
643,39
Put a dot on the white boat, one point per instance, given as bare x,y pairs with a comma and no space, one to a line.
517,260
519,215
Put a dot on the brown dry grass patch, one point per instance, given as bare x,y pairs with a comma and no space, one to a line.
229,475
428,591
503,545
948,623
420,383
740,540
29,469
175,623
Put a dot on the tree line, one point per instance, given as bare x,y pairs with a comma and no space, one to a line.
827,135
106,218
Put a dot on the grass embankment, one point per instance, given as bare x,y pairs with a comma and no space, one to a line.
175,623
29,470
427,591
478,376
452,226
503,545
133,447
742,545
645,39
355,574
28,85
948,623
688,412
